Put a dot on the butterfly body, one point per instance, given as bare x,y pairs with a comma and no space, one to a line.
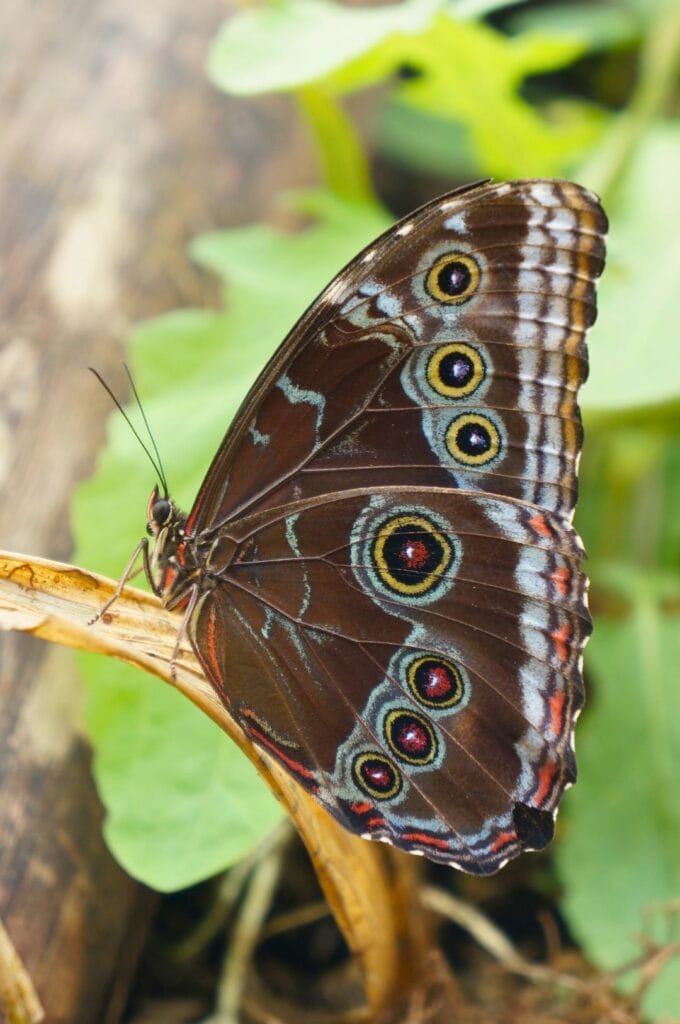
379,574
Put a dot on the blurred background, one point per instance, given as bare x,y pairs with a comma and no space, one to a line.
176,184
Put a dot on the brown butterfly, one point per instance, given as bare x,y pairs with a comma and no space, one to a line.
379,575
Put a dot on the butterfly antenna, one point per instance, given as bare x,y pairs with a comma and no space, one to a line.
155,462
159,461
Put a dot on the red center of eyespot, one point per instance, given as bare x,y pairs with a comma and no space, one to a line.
414,554
437,682
378,776
412,738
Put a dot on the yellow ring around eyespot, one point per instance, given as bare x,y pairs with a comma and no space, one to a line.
422,585
475,419
456,348
390,719
432,280
458,693
365,787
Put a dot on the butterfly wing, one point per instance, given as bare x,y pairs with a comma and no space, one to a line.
449,353
394,605
412,656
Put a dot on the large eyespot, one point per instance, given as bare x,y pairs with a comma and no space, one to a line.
473,439
435,682
411,555
375,775
410,736
455,370
454,278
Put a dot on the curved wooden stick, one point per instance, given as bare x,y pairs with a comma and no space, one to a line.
369,887
18,997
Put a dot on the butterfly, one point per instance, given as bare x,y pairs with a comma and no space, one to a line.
379,575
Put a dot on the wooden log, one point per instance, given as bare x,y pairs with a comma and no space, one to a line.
115,152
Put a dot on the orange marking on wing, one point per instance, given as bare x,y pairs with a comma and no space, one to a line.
561,578
193,515
376,822
360,808
422,837
561,637
211,640
168,577
181,553
568,406
502,840
540,524
546,777
295,766
556,705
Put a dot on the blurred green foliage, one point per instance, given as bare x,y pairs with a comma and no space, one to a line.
543,96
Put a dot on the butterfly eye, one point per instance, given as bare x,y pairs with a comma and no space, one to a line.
454,278
473,439
161,510
455,370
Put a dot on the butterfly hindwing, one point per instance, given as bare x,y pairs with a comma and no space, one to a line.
420,640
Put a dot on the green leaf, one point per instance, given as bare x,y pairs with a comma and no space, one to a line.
598,26
469,74
182,802
620,850
298,42
294,267
648,10
472,75
633,346
444,146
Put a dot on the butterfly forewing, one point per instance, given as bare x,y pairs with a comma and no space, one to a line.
472,386
389,595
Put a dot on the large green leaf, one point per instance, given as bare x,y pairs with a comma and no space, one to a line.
182,801
620,852
472,74
293,43
634,344
467,73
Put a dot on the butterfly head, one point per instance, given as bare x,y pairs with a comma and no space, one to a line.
167,564
159,513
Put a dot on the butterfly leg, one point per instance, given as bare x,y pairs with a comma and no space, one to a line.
128,573
183,630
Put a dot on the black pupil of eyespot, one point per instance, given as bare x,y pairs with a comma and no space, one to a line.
454,278
411,551
456,369
473,439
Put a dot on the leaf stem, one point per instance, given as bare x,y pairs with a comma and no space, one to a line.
343,159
